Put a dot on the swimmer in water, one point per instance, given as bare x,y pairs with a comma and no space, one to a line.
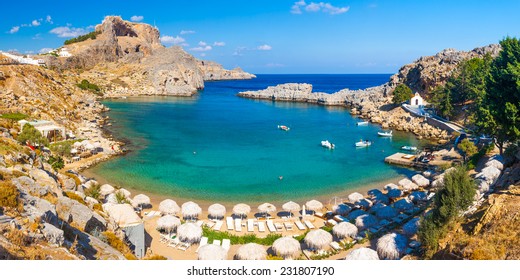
281,177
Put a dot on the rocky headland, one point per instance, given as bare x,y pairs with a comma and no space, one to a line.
213,71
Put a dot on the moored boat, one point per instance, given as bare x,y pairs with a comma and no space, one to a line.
283,127
363,143
327,144
409,148
385,133
362,123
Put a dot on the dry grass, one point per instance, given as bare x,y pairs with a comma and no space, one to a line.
155,258
119,245
8,195
75,197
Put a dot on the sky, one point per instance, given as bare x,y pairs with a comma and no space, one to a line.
278,36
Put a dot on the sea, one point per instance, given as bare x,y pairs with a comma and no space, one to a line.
216,146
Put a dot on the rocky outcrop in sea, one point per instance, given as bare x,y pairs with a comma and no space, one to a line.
213,71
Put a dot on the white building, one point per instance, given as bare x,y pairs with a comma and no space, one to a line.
417,101
21,59
124,217
64,52
46,128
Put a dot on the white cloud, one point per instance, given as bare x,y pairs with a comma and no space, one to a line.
219,44
274,65
45,50
35,23
136,18
203,44
317,7
264,47
184,32
202,54
48,19
239,51
204,48
14,29
67,32
177,40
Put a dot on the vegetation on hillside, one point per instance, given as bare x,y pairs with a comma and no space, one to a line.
402,93
92,35
14,116
86,85
32,136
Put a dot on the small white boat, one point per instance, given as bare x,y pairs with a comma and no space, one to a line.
409,148
385,133
327,144
283,127
363,143
362,123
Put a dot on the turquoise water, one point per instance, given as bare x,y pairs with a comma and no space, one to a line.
217,146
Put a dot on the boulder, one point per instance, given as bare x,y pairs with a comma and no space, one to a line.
489,174
37,208
69,184
53,234
495,163
107,189
44,178
420,180
90,183
80,215
30,186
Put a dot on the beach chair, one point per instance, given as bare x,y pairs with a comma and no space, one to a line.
288,225
250,225
199,223
209,224
270,226
226,243
203,241
309,224
184,246
164,238
238,225
332,222
218,225
334,245
261,226
339,218
229,223
174,242
279,226
216,242
300,226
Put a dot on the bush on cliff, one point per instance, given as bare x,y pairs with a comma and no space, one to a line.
31,135
402,93
92,35
8,195
86,85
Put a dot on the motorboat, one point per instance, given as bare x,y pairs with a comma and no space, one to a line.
327,144
283,127
363,143
409,148
362,123
385,133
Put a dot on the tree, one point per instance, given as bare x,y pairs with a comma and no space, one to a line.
32,135
468,148
56,162
402,93
498,115
441,100
456,195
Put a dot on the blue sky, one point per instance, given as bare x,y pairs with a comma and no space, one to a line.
279,36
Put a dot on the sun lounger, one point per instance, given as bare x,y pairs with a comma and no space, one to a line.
339,218
238,225
279,226
218,225
250,225
309,224
319,215
226,243
300,226
203,241
229,223
216,242
261,226
335,245
174,242
209,224
184,246
332,222
199,223
288,225
270,226
165,238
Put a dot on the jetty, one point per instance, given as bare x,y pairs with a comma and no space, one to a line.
405,160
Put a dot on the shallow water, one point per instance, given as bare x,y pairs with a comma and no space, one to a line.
217,146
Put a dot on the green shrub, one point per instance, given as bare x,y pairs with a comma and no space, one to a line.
86,85
94,191
56,162
244,239
14,116
402,93
31,135
92,35
121,198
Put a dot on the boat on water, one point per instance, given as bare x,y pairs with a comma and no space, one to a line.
283,127
362,123
327,144
385,133
363,143
409,148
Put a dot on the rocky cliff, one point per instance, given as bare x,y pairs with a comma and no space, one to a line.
213,71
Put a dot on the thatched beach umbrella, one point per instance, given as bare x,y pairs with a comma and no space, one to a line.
169,207
356,213
251,251
291,206
420,180
362,254
241,209
342,209
366,221
355,197
266,208
417,196
411,227
390,186
391,246
403,205
168,223
386,212
314,205
141,200
380,198
210,252
407,184
217,211
190,210
345,229
394,193
189,232
286,247
364,203
106,189
318,239
374,192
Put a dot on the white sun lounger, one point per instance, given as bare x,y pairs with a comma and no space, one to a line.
203,241
199,223
261,226
309,224
218,225
288,225
209,224
226,243
270,226
174,242
229,223
184,246
300,226
216,242
335,245
238,224
279,226
332,222
250,225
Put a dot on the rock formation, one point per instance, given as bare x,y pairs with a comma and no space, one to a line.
213,71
